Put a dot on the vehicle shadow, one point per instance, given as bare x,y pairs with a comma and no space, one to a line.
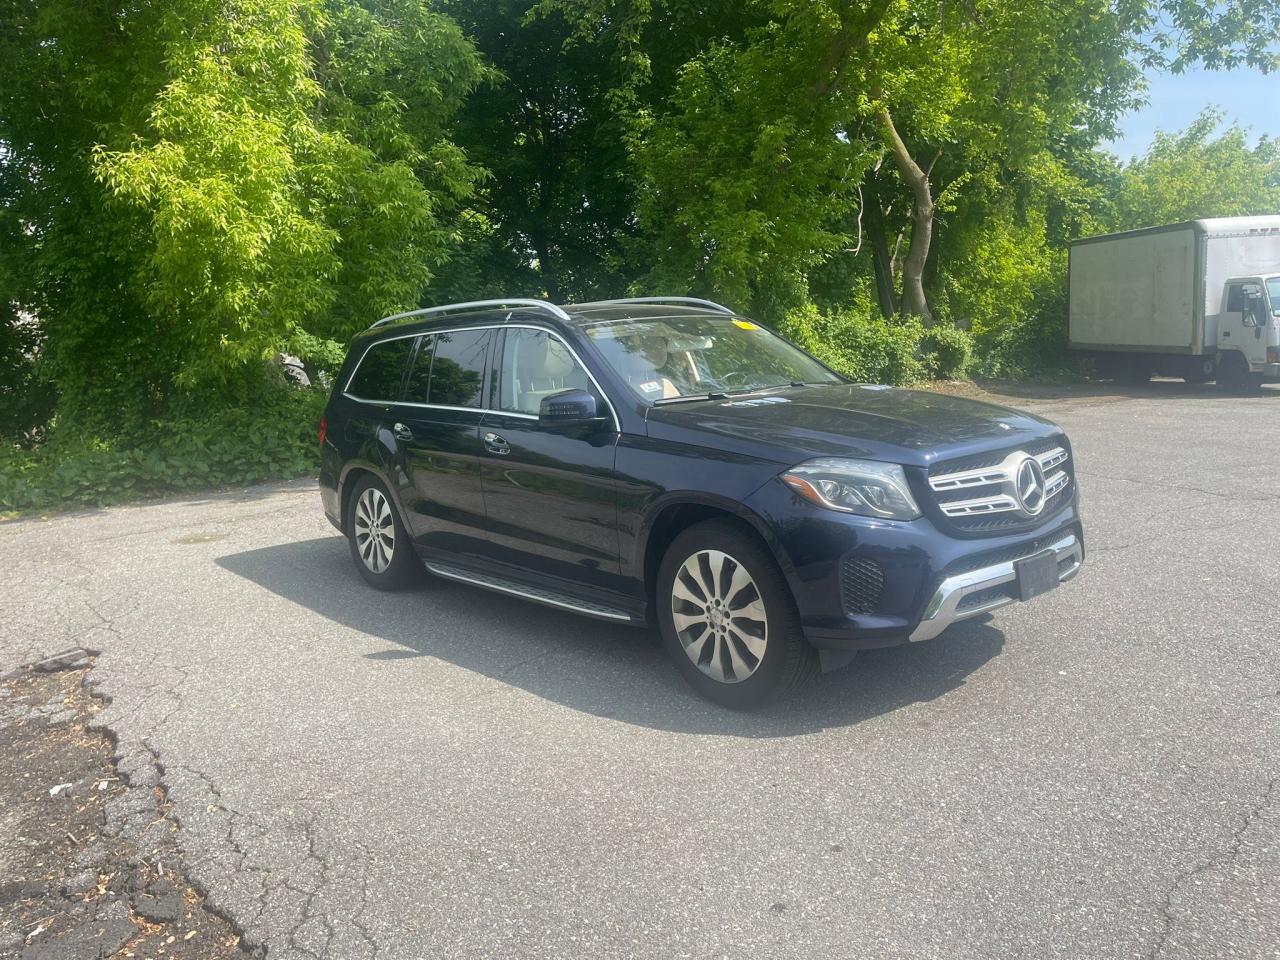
604,669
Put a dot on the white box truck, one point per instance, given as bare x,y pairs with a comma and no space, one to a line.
1197,300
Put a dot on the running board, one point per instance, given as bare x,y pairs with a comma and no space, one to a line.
549,598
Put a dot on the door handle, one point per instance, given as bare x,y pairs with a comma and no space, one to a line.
496,444
402,432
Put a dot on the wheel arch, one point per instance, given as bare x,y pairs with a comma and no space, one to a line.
677,512
350,479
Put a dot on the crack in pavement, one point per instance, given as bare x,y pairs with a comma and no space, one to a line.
309,882
1231,852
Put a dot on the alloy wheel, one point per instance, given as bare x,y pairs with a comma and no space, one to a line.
719,616
375,530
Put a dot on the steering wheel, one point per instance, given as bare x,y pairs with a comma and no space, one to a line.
728,379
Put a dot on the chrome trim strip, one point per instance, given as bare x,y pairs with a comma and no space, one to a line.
443,406
551,308
1054,484
997,473
1052,458
967,508
617,424
602,613
943,607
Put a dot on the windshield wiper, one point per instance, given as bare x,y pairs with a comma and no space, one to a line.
692,397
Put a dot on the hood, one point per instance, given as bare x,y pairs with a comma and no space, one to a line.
850,420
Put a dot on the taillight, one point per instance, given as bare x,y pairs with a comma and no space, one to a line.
322,431
1273,354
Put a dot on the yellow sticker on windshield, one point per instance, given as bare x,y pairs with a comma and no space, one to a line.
745,325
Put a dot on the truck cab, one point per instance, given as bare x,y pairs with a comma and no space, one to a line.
1248,335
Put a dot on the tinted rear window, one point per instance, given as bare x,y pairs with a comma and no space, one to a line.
458,368
381,372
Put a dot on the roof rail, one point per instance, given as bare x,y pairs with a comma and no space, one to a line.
550,308
689,301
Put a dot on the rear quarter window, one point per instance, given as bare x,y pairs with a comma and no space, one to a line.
380,375
458,368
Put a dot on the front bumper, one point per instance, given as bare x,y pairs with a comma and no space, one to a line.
928,579
975,592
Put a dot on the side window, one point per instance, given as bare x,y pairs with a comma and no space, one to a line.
457,371
535,365
381,372
420,375
1235,298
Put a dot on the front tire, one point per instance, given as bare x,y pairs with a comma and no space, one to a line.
728,619
378,539
1234,376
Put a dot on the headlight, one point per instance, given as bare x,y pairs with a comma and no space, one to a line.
864,487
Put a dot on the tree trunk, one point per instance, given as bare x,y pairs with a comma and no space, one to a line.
881,260
545,267
914,301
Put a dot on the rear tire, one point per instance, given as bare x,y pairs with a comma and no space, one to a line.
379,542
728,619
1199,370
1134,372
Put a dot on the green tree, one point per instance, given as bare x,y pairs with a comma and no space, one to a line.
1197,173
190,185
545,125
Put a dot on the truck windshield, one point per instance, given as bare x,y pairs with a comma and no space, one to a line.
1273,292
693,356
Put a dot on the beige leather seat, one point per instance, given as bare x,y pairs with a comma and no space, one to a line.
545,367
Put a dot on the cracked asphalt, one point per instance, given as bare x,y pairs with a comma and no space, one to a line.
449,773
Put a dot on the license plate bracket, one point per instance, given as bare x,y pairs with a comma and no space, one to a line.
1036,575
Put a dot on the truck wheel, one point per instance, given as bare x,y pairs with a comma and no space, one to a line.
727,617
1133,371
1234,376
1199,370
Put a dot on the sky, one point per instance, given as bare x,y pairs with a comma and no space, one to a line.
1246,95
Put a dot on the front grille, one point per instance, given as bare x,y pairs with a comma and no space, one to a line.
1005,489
861,585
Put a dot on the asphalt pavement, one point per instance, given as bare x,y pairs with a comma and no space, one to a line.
451,773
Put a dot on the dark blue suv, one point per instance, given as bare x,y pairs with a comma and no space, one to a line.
665,460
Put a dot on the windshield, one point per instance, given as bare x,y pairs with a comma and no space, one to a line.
693,356
1273,291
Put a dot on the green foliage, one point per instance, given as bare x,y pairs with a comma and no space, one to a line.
272,436
1198,173
859,343
26,395
559,203
945,352
189,186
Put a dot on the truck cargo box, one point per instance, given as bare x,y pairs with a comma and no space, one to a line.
1159,290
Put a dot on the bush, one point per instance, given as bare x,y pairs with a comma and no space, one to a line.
862,346
26,394
945,352
1024,348
272,435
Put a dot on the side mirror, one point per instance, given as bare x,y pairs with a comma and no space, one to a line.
569,408
1254,312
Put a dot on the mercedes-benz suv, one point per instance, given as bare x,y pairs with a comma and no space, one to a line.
667,461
